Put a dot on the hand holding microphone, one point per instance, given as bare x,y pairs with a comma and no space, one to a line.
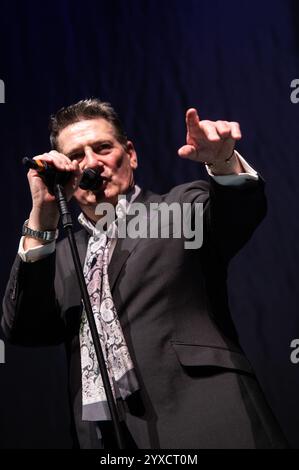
90,178
43,171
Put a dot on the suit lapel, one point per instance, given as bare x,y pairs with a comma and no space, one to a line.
122,251
125,246
82,242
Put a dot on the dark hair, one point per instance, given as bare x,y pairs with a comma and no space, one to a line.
85,109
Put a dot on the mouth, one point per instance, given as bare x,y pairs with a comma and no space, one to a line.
92,180
103,183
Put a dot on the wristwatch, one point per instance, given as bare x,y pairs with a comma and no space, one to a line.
47,235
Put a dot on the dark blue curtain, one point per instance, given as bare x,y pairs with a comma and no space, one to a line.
152,60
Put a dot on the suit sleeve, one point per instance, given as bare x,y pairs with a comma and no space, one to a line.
231,214
31,313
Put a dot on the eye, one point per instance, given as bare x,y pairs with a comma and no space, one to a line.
77,156
102,148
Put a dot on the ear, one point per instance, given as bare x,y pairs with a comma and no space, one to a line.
132,154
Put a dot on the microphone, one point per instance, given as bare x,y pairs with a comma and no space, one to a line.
91,178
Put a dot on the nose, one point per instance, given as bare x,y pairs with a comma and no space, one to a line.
91,158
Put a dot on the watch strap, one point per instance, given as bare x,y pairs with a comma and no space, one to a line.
44,235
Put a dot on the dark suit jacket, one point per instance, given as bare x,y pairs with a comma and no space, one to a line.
198,389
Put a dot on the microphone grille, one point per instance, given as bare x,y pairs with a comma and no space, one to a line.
91,179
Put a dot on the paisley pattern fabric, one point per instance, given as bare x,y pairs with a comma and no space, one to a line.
117,357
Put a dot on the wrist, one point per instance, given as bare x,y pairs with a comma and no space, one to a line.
42,219
36,237
229,166
43,235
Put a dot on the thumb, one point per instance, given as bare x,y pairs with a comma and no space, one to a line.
187,151
75,180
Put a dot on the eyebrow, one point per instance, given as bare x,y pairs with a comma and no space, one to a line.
80,149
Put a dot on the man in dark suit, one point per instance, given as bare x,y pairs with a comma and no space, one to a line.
196,387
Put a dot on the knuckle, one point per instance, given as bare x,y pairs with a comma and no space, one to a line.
213,137
54,153
223,125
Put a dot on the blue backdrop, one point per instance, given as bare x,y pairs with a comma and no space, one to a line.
152,60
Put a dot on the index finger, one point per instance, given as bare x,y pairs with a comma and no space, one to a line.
192,121
58,160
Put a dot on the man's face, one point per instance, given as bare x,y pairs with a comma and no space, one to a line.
93,144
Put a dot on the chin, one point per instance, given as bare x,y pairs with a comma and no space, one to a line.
105,194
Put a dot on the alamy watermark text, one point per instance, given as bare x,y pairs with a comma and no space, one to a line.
156,220
2,91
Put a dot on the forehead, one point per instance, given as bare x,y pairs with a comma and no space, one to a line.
85,132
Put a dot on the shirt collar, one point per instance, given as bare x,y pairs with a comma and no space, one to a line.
123,206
